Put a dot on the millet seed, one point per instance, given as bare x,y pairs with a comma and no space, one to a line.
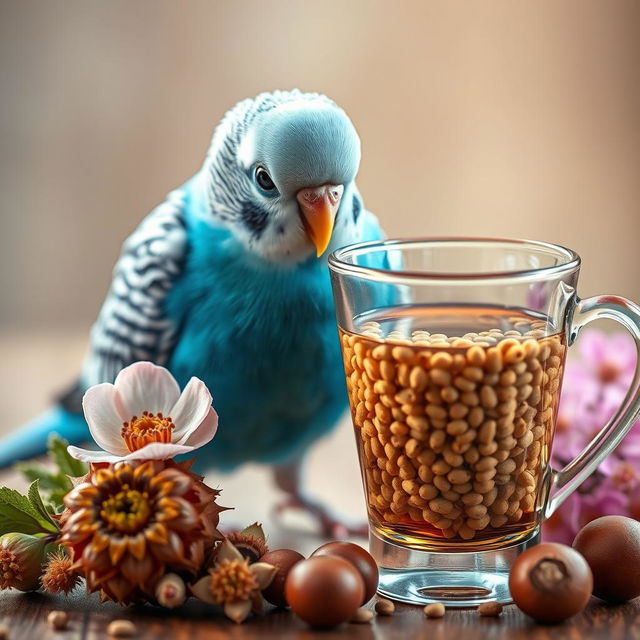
122,629
58,620
385,607
434,610
453,435
490,609
362,616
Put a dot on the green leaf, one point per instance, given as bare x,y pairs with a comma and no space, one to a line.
16,521
57,500
65,463
49,481
16,500
54,486
36,502
18,515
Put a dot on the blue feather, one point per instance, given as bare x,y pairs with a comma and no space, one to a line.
264,339
220,282
31,439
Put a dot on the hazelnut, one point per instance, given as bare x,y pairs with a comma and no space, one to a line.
550,582
611,546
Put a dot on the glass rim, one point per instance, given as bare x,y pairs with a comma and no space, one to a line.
338,263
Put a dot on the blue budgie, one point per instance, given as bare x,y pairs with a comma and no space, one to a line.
227,280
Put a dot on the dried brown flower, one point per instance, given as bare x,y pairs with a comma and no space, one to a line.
21,558
234,583
250,542
131,522
59,575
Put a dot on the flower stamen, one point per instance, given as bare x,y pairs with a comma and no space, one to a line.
141,431
232,581
10,573
127,511
625,477
608,372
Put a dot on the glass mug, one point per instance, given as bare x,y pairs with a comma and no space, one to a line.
453,352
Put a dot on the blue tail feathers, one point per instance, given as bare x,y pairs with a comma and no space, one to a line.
31,439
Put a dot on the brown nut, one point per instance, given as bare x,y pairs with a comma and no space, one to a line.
611,546
360,558
550,582
324,591
283,560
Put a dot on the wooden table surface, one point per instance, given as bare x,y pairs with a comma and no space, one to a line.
47,361
25,615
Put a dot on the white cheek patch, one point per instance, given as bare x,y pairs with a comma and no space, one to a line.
246,153
284,241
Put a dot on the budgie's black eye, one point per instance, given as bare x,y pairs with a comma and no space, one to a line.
264,180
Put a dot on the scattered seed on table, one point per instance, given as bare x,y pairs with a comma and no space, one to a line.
385,607
362,616
434,610
122,629
490,609
58,620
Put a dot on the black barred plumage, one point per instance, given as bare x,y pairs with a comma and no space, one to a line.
132,324
226,190
254,217
357,207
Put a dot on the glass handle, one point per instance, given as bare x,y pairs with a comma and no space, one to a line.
566,481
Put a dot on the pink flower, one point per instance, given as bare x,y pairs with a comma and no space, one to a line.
143,416
594,388
610,358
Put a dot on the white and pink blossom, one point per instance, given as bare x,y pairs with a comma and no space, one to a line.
144,416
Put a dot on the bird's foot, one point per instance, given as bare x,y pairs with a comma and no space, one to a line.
330,525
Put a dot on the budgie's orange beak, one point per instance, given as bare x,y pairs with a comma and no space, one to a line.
318,208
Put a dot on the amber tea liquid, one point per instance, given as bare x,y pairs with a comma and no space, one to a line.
454,409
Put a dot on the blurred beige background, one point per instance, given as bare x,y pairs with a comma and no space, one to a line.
495,117
501,117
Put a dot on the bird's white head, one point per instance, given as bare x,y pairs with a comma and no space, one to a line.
280,173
